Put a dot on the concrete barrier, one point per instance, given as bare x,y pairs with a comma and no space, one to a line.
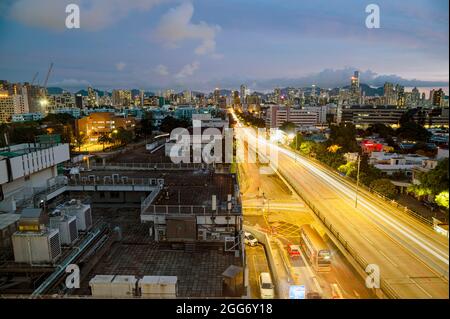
264,239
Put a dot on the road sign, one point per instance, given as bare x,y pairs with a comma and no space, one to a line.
297,292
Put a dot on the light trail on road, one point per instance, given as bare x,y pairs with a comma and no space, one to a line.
379,232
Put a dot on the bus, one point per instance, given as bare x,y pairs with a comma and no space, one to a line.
315,248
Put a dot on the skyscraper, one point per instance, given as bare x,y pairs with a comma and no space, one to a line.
438,97
243,94
401,99
355,83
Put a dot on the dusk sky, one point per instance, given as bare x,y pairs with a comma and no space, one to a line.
202,44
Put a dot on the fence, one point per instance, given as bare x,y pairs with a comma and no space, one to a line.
149,166
188,210
385,287
352,183
115,180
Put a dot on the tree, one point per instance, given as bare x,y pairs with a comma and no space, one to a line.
307,147
413,132
79,140
382,130
169,123
24,132
434,181
345,135
62,118
146,128
384,187
288,127
348,168
103,139
442,199
124,136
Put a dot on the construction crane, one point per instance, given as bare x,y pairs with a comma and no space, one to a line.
44,101
34,78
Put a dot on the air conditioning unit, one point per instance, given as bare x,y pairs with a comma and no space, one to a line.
67,226
36,247
215,236
201,234
82,213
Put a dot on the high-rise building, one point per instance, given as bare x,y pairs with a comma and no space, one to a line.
390,96
401,98
278,114
243,93
355,89
216,96
92,97
355,83
121,98
11,104
438,98
415,97
187,96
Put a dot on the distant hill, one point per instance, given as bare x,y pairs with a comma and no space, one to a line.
54,90
100,93
368,90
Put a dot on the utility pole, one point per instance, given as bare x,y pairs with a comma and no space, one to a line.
357,181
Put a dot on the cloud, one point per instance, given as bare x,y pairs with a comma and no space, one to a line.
95,15
162,70
71,83
120,66
331,78
188,70
176,26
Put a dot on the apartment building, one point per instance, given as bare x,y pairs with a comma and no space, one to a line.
27,170
277,115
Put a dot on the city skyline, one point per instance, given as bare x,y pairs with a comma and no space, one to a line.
201,45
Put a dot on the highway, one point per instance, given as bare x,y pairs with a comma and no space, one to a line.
411,256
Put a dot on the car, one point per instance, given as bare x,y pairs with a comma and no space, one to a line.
266,287
294,251
249,239
313,295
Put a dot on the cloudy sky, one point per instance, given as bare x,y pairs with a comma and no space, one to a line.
202,44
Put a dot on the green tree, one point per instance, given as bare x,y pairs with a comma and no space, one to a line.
307,147
348,169
384,187
169,123
434,181
382,130
79,140
146,127
412,131
345,136
442,199
103,139
124,136
288,127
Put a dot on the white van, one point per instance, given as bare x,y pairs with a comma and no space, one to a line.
249,239
266,286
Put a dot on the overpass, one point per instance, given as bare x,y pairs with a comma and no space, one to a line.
411,256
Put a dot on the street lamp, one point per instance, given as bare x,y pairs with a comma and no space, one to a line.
357,181
86,158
